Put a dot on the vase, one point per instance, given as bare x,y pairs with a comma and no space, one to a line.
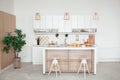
17,62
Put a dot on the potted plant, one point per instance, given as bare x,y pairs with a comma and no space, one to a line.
56,35
16,44
66,35
65,40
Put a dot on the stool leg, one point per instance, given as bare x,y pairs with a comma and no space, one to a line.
84,67
56,70
50,69
79,69
84,70
59,69
54,67
87,69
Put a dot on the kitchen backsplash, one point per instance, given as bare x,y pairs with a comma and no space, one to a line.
47,39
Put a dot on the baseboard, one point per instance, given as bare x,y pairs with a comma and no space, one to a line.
99,60
26,59
6,68
109,60
37,63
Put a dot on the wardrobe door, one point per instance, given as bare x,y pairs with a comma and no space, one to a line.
7,25
1,27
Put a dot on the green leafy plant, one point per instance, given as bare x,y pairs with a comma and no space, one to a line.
57,35
14,43
66,35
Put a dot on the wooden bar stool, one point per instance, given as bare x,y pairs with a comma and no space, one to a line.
83,66
54,67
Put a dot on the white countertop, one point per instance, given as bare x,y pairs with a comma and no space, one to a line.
75,48
64,47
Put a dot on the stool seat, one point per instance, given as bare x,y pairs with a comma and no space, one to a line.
84,61
54,67
55,61
83,66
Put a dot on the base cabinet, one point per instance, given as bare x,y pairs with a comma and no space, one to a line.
69,60
60,55
37,55
75,57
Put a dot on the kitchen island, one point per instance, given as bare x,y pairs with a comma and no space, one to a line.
69,58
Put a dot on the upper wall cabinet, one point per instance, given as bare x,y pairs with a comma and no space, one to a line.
59,24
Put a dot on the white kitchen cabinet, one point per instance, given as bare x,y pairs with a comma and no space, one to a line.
64,25
43,22
36,24
80,21
58,22
84,21
74,22
48,22
94,24
69,58
55,22
37,55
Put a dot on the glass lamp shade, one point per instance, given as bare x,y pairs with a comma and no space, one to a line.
37,16
66,16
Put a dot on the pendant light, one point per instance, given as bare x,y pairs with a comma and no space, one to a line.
37,16
66,16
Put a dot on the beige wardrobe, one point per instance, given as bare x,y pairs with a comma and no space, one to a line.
7,25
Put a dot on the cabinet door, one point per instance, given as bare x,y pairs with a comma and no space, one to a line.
36,24
49,22
84,21
60,55
1,30
74,22
55,22
87,21
94,23
60,24
6,25
81,22
37,55
65,25
1,23
75,57
13,23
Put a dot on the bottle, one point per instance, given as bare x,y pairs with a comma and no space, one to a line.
38,40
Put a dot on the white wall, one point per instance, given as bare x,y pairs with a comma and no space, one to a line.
7,6
108,39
